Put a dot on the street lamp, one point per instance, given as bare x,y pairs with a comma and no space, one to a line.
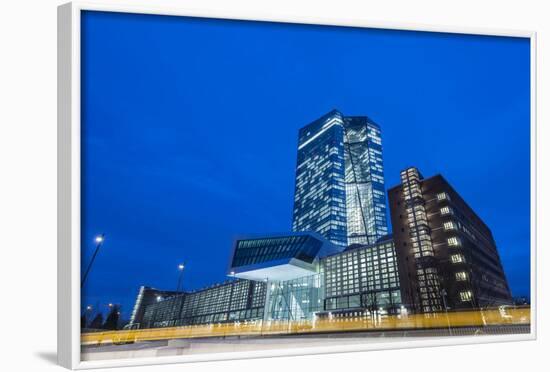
98,241
181,267
443,293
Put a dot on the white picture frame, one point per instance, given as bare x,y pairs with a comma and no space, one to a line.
69,182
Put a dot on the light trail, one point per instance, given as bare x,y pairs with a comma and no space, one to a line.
477,318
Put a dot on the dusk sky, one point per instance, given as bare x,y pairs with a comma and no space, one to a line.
190,126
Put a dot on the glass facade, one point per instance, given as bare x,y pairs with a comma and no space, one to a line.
258,251
335,258
362,277
340,190
147,296
365,191
339,259
297,299
320,195
234,301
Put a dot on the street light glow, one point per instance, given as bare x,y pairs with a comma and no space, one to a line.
99,239
159,298
181,266
110,305
89,307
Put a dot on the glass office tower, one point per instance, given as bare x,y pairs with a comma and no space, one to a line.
340,180
320,193
365,192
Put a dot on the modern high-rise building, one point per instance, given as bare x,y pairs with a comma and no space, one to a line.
320,192
447,256
365,189
340,180
340,260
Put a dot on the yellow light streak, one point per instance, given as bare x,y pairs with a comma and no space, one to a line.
493,317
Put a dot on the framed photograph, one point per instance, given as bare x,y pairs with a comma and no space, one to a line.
236,185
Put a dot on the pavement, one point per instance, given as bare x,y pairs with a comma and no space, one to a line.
258,343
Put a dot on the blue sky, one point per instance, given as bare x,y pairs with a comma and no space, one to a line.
189,132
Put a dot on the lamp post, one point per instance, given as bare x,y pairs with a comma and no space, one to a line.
86,316
98,241
88,311
443,294
181,267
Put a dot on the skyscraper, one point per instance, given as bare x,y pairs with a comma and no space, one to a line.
320,194
340,180
365,191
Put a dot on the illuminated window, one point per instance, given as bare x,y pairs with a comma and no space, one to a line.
443,196
450,225
465,296
461,276
457,258
445,210
453,242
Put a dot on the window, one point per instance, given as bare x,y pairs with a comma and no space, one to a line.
461,276
342,303
453,242
449,225
457,258
445,210
354,301
443,196
465,296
